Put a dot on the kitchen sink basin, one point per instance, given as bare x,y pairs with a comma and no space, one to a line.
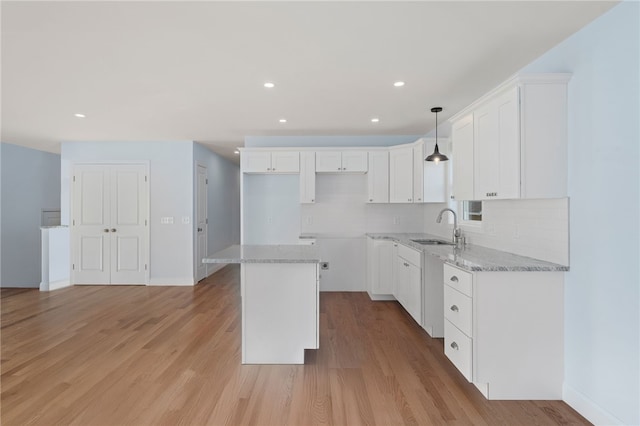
433,242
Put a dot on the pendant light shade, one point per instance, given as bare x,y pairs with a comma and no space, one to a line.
436,156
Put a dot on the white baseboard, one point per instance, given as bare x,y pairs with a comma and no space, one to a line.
55,285
587,408
380,297
185,282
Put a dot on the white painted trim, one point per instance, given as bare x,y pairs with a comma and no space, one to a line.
182,282
380,297
587,408
56,285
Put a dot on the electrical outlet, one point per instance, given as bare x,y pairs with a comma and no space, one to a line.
186,220
396,220
167,220
324,265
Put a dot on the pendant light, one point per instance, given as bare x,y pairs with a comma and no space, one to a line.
436,156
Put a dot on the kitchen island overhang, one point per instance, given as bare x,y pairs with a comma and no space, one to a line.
280,300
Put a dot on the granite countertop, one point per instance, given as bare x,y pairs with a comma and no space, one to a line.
472,257
266,254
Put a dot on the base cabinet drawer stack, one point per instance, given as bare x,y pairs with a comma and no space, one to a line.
504,331
458,308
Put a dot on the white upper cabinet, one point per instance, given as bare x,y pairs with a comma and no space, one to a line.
497,148
462,142
341,161
418,172
270,161
307,177
512,143
378,177
434,175
401,175
414,180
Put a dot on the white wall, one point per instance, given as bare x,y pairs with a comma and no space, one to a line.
29,182
171,183
223,199
602,289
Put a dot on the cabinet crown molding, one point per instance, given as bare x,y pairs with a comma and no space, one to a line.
513,81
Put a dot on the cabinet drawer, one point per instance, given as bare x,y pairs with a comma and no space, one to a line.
458,279
458,347
458,309
410,254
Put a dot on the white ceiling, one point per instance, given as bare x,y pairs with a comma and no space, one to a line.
157,71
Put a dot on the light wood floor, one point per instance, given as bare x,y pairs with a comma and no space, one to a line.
171,355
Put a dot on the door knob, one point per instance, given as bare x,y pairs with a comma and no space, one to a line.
113,229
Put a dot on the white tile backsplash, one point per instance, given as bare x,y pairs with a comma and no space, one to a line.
341,207
534,228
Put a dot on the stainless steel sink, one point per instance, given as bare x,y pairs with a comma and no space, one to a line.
433,242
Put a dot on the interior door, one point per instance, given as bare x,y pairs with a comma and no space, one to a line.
128,224
201,222
109,224
91,225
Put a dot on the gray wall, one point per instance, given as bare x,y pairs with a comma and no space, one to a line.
602,290
29,182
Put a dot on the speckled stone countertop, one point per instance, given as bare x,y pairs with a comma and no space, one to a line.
266,254
473,257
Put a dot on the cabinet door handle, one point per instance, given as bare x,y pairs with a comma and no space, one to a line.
370,199
312,200
419,199
454,279
106,230
199,229
454,308
409,199
113,229
454,345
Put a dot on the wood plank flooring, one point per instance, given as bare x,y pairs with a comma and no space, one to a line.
100,355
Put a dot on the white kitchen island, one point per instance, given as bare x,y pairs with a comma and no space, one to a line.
280,300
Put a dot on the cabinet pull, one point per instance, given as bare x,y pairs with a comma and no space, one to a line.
454,345
454,279
419,199
113,229
106,230
409,199
370,199
312,200
454,308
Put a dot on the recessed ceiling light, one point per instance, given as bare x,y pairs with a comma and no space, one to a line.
236,152
283,120
375,120
78,115
269,85
399,83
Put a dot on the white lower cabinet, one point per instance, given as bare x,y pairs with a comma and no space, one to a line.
409,281
380,277
504,331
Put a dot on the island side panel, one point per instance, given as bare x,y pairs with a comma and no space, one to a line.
279,312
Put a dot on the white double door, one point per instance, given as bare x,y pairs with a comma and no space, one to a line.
109,225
